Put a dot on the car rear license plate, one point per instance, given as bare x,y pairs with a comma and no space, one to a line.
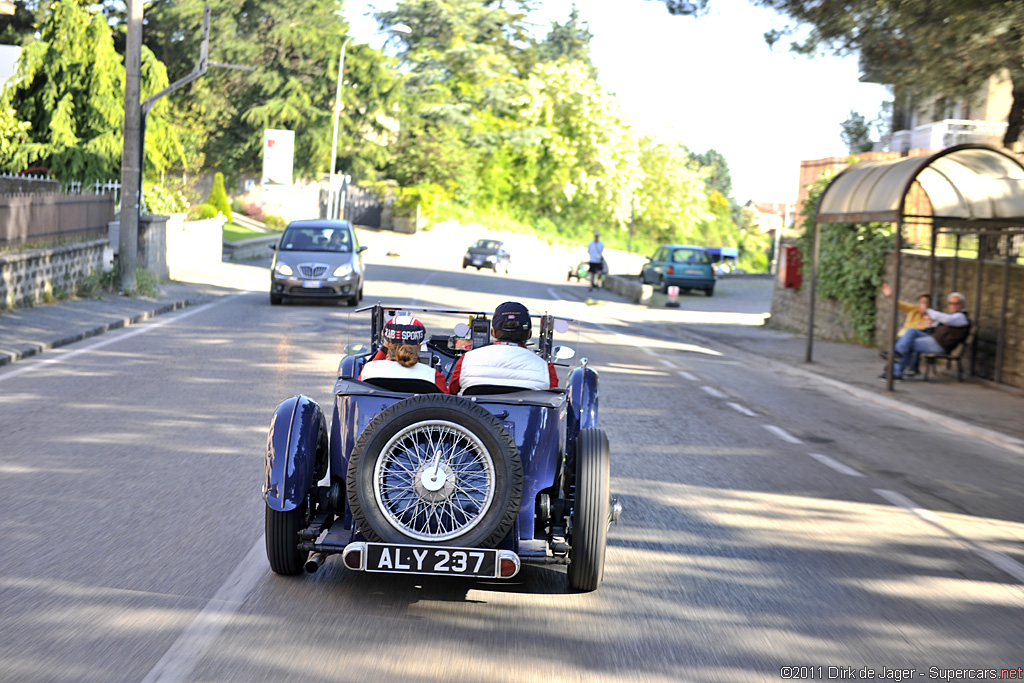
478,262
312,284
693,271
422,559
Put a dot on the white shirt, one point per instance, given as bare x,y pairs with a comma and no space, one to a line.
504,364
394,369
596,250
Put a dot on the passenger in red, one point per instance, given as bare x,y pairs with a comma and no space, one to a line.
402,338
506,362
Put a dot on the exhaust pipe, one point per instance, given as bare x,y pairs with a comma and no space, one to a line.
315,561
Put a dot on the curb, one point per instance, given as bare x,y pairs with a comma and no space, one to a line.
7,358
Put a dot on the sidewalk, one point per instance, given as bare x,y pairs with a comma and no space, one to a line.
978,409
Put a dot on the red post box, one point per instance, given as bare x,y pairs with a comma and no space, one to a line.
789,267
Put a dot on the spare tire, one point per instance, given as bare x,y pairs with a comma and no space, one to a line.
435,470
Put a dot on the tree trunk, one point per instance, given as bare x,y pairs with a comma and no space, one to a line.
1015,119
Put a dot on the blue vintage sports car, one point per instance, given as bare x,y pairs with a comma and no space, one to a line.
426,483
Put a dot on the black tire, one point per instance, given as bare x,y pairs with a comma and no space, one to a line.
710,291
392,441
591,510
663,286
282,532
275,299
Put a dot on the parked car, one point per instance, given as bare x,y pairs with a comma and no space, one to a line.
487,254
581,271
683,265
428,483
318,259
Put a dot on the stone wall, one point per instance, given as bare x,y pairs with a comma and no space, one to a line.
791,312
27,278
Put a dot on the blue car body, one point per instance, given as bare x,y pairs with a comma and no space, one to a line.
545,427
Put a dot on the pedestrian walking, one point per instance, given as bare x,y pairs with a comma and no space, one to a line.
595,250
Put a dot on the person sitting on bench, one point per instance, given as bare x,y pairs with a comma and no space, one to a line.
951,329
507,362
402,338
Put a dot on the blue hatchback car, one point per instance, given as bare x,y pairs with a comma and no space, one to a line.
683,265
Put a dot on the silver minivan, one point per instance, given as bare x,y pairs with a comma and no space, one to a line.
318,259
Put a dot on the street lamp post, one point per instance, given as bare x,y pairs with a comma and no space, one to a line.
397,28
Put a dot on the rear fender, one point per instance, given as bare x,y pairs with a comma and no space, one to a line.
297,448
583,399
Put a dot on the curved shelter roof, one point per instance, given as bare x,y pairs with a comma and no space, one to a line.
966,183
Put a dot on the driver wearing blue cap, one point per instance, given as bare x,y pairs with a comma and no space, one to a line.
506,362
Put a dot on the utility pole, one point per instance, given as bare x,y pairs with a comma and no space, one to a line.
131,180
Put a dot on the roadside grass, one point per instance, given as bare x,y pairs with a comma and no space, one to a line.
237,233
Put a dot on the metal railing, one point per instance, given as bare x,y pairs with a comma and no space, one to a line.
943,134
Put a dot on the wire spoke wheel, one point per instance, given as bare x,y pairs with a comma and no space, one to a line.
433,481
435,469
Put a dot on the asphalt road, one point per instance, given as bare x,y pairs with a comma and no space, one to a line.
769,522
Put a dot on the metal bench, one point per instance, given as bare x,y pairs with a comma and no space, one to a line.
954,356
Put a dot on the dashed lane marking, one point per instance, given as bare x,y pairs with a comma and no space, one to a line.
836,465
741,409
667,363
687,375
782,434
899,500
711,391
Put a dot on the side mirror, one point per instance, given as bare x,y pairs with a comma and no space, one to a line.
360,250
462,329
356,348
273,246
563,352
561,326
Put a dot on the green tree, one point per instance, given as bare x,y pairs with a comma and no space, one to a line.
70,91
218,197
856,133
569,41
293,48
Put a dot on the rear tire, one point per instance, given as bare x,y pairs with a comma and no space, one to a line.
663,286
282,531
387,482
591,510
710,291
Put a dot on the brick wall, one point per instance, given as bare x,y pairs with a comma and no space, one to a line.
26,278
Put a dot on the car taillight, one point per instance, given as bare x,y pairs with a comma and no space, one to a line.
671,270
508,564
353,556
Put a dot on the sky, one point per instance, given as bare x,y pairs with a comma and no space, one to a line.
712,83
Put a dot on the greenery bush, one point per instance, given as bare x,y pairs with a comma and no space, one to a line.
275,222
219,196
208,211
851,261
162,200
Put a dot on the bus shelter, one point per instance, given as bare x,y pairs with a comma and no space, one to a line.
971,189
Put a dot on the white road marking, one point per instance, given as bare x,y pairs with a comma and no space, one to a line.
836,465
667,363
711,391
111,340
687,375
899,500
741,409
179,661
997,560
1000,561
782,434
